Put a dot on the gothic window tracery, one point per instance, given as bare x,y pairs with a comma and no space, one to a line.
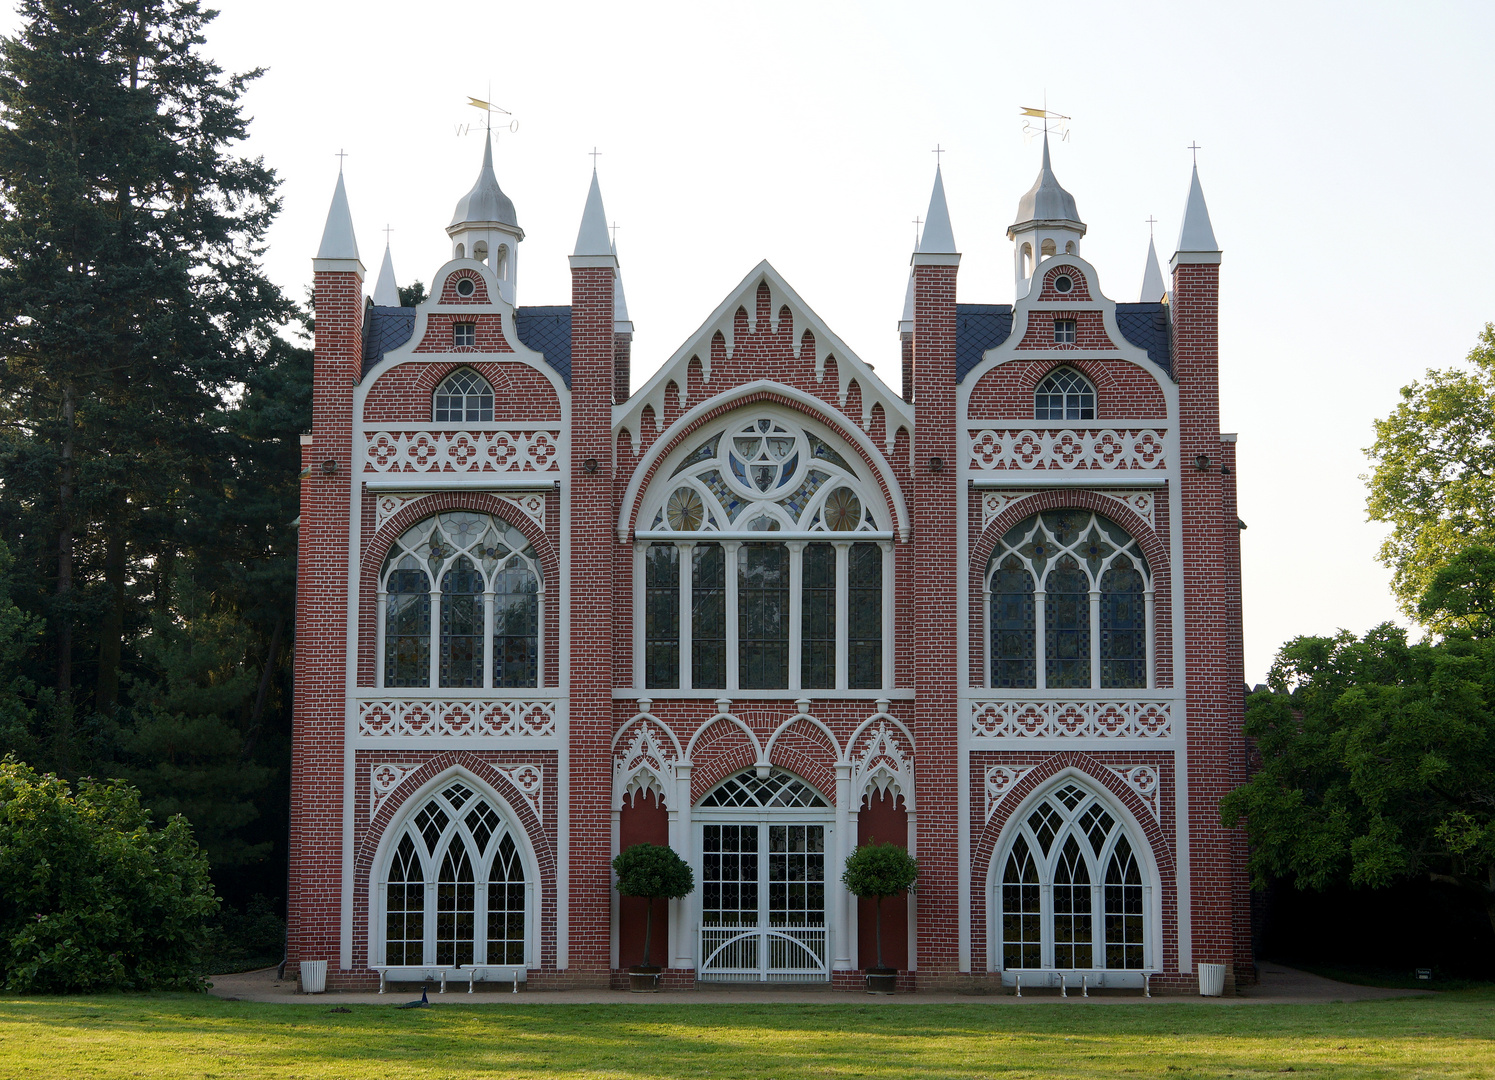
1064,394
481,578
454,889
1068,605
464,396
1070,890
810,602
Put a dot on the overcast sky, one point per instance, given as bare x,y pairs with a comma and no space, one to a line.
1346,157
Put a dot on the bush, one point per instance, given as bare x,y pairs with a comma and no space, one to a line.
92,896
245,940
652,871
878,871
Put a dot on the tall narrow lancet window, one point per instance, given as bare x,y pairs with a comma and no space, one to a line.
454,889
407,615
708,617
462,625
1096,587
818,618
1064,395
1123,627
864,611
464,397
662,616
785,568
487,582
1012,626
763,616
1071,891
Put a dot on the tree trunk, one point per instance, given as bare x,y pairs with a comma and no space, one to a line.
252,736
112,630
648,929
65,553
877,930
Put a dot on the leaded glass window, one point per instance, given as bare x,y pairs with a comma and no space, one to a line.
464,397
662,616
729,875
796,875
864,613
1071,895
1092,573
1065,394
818,617
1123,627
483,568
763,616
476,912
708,617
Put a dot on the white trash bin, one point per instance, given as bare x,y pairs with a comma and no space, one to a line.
313,976
1211,980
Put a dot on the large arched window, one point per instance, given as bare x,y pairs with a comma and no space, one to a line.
464,397
766,564
482,580
1069,889
454,890
1069,606
1064,394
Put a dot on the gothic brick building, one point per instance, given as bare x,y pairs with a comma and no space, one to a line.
764,609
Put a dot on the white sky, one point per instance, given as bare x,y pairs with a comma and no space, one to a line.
1347,160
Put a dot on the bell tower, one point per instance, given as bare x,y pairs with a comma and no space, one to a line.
1047,224
485,228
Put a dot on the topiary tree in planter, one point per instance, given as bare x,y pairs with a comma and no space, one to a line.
652,872
878,871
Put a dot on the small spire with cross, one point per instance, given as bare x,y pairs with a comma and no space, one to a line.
937,151
1194,147
1151,221
388,228
595,154
614,229
918,223
340,155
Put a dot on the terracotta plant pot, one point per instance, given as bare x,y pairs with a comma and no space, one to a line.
643,980
882,980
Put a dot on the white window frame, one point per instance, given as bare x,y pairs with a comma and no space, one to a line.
448,377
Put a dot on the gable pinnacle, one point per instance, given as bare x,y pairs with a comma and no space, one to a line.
338,241
939,237
1196,233
386,292
592,238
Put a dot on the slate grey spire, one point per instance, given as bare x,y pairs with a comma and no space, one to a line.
1153,288
338,241
938,238
386,292
591,238
1196,234
486,203
1046,202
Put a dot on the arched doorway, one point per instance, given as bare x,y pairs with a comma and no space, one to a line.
764,843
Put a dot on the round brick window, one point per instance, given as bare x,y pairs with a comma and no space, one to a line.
1063,283
465,287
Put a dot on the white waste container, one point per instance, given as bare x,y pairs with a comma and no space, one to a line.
313,976
1211,980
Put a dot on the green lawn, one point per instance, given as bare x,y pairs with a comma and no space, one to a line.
180,1036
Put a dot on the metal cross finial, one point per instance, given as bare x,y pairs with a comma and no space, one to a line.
937,151
595,155
918,221
614,228
1151,221
340,155
388,228
1195,147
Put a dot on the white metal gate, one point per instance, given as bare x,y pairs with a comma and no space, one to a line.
790,954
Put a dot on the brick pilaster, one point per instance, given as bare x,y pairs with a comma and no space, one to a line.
593,379
320,699
937,578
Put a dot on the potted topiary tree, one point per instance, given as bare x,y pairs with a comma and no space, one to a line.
878,871
651,872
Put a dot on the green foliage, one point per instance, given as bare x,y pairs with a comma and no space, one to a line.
1461,594
244,940
653,872
93,897
1433,476
1377,763
411,295
879,871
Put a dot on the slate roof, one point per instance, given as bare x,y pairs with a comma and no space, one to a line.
545,329
1146,326
978,327
384,328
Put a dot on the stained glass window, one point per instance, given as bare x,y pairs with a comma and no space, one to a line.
1073,926
1123,627
1066,614
464,397
662,616
818,617
516,626
404,907
1065,394
462,625
407,625
1022,915
506,905
708,617
1124,915
1012,627
763,616
864,615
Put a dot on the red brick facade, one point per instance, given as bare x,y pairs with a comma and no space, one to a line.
574,469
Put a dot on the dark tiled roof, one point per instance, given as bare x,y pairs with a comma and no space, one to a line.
547,330
978,327
1146,326
384,328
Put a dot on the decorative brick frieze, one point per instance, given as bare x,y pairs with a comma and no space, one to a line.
390,717
1064,449
1006,718
446,452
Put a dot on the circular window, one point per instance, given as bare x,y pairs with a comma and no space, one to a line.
465,287
843,510
1063,283
684,510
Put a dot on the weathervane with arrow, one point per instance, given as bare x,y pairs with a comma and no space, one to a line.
1030,129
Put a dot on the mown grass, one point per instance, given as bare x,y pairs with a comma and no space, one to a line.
180,1036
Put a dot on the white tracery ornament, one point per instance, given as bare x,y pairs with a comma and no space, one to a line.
766,474
1000,779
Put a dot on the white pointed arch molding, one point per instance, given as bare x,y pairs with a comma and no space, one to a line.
808,409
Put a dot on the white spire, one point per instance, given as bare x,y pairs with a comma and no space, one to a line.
386,292
621,323
1196,233
939,238
591,238
1152,277
486,203
906,324
1046,200
338,241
